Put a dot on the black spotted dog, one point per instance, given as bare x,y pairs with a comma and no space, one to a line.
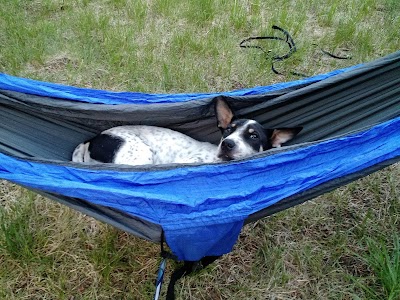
143,145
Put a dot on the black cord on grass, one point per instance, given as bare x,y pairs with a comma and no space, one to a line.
246,43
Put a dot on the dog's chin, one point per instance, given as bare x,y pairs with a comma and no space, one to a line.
225,156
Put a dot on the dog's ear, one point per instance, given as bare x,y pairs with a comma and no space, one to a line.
283,135
223,112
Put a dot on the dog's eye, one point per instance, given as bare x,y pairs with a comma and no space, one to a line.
228,130
254,136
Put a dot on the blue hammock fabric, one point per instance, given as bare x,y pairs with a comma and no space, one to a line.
48,89
202,208
202,222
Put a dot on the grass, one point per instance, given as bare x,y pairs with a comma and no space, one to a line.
385,264
343,245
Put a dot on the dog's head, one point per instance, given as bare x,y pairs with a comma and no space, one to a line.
244,137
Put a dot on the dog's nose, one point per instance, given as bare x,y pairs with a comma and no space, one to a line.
228,144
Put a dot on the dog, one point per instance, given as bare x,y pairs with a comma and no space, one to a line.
150,145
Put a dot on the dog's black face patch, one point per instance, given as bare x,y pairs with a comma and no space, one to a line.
231,128
103,147
255,135
242,138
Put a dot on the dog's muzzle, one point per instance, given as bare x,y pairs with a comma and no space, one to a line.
226,148
227,145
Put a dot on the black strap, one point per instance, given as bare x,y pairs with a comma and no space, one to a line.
292,48
243,44
288,40
187,268
335,56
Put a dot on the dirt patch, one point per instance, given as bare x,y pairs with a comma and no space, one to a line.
59,62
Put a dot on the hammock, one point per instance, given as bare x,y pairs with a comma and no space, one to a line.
351,120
